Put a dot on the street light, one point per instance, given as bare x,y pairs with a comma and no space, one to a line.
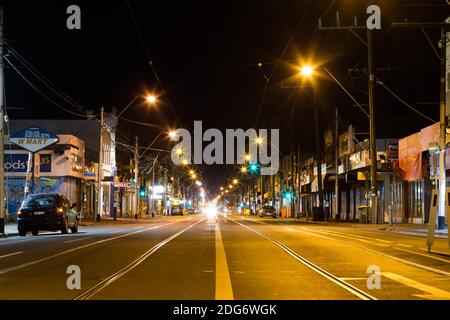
151,99
172,134
244,169
306,71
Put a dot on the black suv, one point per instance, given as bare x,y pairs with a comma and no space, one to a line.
50,212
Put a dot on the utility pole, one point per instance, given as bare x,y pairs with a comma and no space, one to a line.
373,139
100,169
444,113
136,178
318,159
2,131
443,129
336,164
371,83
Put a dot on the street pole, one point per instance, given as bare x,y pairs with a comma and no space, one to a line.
136,178
318,158
336,164
2,132
442,142
373,139
100,169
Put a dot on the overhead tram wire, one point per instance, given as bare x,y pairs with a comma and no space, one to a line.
42,93
150,62
404,102
152,66
283,53
43,79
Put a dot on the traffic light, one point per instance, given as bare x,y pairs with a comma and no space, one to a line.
288,195
142,192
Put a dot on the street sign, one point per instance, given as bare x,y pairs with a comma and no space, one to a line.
34,139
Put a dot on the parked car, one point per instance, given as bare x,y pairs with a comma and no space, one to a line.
49,212
268,211
176,211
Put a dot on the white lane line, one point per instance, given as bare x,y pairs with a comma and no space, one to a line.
24,265
224,290
423,255
10,254
430,292
406,245
336,280
116,276
76,240
407,262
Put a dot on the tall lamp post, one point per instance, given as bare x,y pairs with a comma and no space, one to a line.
151,100
308,71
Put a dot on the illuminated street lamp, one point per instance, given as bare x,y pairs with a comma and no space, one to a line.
235,181
307,71
259,141
172,134
244,169
151,99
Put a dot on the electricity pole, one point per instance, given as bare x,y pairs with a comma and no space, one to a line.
371,83
444,27
2,134
373,139
100,169
136,178
336,164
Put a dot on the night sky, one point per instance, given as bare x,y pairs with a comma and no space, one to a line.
206,54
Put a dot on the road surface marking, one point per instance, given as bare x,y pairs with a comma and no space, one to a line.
359,236
224,290
431,293
403,261
343,236
352,279
437,251
24,265
352,289
405,245
11,254
423,254
80,239
116,276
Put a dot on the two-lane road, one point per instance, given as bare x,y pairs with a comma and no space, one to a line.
223,258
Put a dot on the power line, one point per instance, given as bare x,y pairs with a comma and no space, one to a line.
44,80
404,102
150,125
150,61
41,93
283,53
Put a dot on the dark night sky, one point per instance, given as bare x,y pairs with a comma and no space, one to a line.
206,54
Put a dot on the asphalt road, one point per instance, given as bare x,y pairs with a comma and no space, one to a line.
224,258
